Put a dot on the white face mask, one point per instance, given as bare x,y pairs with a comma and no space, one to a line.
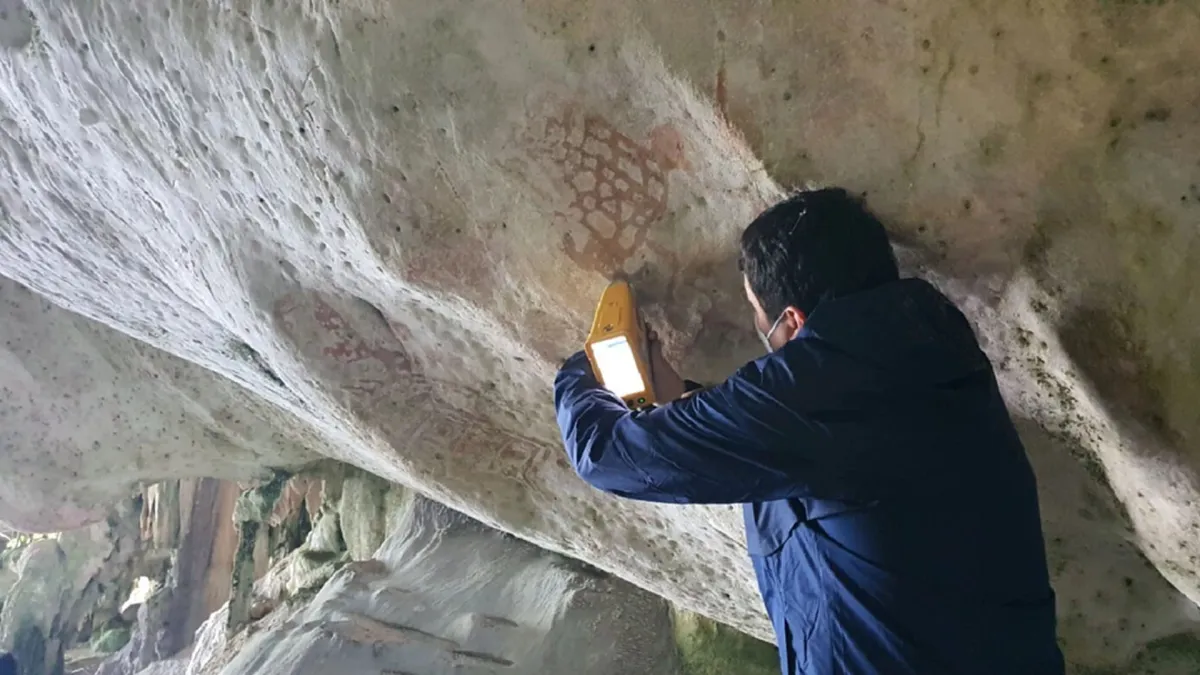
766,338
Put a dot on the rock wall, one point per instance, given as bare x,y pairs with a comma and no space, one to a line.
187,530
368,231
68,588
444,594
88,413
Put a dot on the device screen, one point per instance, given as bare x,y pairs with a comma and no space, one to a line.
618,369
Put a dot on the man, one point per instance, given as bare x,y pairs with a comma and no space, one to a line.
891,513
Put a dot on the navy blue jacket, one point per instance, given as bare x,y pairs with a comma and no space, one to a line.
891,513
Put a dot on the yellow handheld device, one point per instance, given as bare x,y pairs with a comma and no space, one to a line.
617,347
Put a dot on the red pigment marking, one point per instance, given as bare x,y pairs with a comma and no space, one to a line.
459,267
619,186
348,348
473,439
351,348
722,93
470,439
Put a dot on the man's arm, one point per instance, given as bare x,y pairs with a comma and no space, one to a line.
731,443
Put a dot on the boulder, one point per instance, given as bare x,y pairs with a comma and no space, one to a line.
363,514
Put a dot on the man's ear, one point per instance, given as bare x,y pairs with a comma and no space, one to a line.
795,321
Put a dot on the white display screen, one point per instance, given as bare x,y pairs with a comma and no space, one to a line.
618,369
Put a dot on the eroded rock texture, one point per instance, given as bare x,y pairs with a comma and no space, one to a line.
369,230
68,588
188,545
444,594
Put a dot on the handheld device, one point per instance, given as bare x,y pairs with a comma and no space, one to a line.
618,349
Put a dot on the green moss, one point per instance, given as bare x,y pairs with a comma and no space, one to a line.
111,640
257,504
709,648
319,557
274,487
243,576
244,557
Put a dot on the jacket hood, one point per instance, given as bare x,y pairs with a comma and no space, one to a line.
907,328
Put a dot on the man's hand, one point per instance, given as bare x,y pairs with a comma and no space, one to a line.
668,386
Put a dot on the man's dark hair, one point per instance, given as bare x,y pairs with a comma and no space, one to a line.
816,245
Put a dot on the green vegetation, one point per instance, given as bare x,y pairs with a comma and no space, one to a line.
709,648
111,640
17,543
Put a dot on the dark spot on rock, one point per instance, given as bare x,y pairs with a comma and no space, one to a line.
966,205
395,108
1159,114
973,69
1114,123
387,198
998,33
374,310
591,48
1113,356
787,95
1105,60
924,69
251,355
720,36
926,44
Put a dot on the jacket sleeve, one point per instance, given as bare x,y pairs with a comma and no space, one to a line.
732,443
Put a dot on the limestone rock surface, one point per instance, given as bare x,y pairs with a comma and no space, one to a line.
66,588
449,595
258,233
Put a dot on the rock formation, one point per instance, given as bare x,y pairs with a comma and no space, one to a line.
256,234
67,589
188,541
445,595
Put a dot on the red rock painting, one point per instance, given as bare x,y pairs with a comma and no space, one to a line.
618,187
379,371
